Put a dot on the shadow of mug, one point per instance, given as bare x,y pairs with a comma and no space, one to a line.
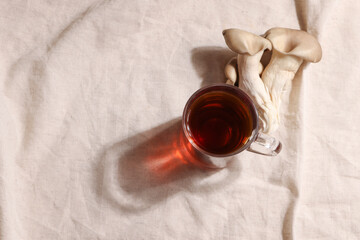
141,171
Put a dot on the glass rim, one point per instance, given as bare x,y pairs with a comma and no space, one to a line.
236,92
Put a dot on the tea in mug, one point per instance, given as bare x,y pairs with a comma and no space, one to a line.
219,122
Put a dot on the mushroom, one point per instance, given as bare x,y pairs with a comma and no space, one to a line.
250,48
290,49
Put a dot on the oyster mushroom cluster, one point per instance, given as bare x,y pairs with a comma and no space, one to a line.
289,48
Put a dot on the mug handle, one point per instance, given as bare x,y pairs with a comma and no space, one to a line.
265,145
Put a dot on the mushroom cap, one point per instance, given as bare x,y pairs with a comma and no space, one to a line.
243,42
296,43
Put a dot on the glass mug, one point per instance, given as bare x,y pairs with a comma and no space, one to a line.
221,121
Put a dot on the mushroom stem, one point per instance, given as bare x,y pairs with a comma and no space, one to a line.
280,70
252,84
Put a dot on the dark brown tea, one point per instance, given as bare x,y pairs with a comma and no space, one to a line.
219,122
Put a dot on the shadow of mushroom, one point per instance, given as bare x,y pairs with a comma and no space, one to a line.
301,12
138,173
209,63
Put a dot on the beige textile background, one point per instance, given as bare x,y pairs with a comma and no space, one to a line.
91,95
